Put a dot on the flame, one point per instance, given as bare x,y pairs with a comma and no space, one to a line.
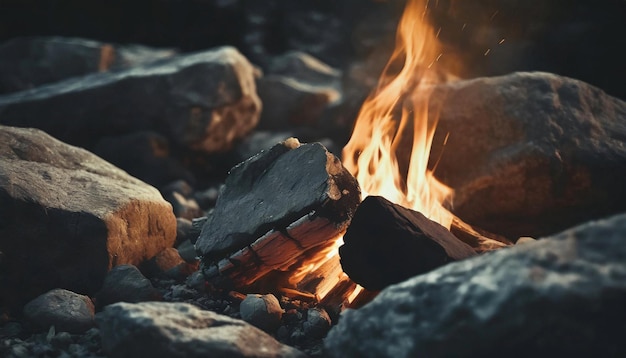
396,116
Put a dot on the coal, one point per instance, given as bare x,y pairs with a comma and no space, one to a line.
387,243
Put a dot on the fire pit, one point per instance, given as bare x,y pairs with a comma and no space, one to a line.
276,194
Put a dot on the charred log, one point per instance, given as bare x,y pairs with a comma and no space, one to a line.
387,243
278,212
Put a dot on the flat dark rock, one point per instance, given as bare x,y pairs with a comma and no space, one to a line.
274,189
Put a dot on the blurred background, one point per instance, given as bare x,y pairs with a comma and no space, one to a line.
583,39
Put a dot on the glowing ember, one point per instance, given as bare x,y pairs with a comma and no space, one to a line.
396,114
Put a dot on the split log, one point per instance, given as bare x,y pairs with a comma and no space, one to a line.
480,240
278,214
387,243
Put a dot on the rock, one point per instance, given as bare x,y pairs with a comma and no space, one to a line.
161,329
186,208
262,311
387,243
196,226
296,91
296,201
530,154
162,262
145,155
125,283
560,296
65,310
525,240
183,230
202,101
317,323
27,62
67,217
274,189
187,251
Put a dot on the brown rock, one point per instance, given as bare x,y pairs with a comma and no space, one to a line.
529,154
67,217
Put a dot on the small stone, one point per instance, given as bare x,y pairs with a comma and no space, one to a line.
183,228
525,240
187,251
317,323
19,351
196,281
61,340
63,309
262,311
125,283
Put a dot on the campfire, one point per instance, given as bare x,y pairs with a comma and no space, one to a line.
296,248
398,198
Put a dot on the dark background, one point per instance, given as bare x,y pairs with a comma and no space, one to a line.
583,39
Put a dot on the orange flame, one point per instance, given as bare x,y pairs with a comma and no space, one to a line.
396,117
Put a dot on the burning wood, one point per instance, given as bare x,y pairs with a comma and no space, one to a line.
278,216
387,243
294,214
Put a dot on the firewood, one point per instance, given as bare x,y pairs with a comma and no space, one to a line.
278,213
387,243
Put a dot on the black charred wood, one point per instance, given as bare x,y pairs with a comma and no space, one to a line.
387,243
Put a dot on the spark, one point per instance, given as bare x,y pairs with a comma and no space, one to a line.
501,42
487,52
438,32
436,60
464,25
494,15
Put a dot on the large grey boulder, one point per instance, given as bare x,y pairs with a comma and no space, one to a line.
67,217
201,101
557,297
162,329
27,62
530,153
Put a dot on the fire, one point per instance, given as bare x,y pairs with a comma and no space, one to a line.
396,116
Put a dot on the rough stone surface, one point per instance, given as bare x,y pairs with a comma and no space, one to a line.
65,310
201,101
27,62
317,323
67,217
296,90
560,296
125,283
262,311
160,329
530,153
274,189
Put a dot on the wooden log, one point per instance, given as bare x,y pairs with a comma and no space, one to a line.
480,240
277,215
387,243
